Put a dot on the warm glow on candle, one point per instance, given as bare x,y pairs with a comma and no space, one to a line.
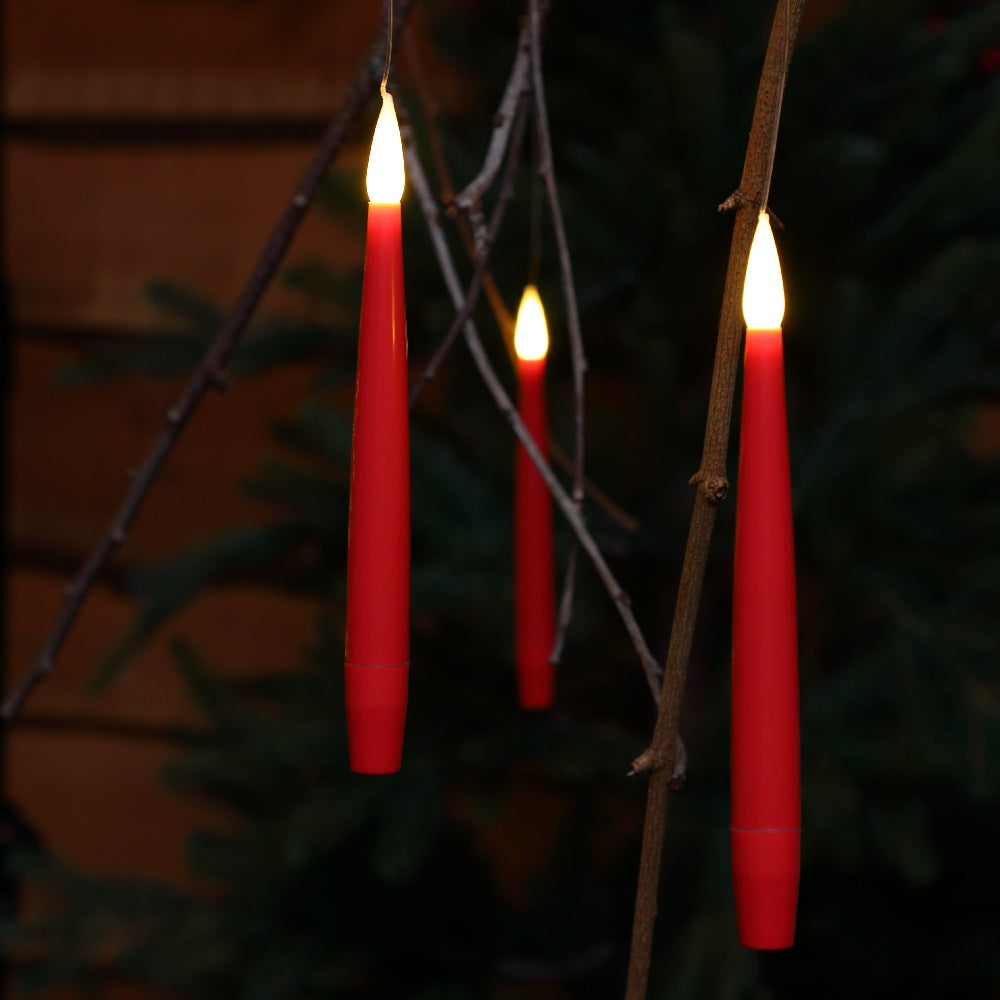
385,163
763,292
531,335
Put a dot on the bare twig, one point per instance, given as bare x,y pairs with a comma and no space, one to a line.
546,169
765,191
211,372
504,318
565,615
476,284
503,121
712,487
733,201
415,174
594,492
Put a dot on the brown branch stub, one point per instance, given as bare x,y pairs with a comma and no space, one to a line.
653,759
712,486
733,201
648,760
678,773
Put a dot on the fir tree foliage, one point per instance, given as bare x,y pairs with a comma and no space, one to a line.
330,884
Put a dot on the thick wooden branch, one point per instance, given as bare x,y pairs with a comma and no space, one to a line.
712,486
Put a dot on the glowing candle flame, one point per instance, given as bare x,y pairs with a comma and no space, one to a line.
531,334
763,292
386,177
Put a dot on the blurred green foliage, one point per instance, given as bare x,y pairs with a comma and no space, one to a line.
331,884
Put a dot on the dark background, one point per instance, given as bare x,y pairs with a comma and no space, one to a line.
201,835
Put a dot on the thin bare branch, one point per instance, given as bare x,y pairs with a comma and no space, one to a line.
503,121
565,615
712,487
418,180
429,105
211,371
476,284
546,169
765,191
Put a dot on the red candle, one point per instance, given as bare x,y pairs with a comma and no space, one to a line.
377,647
766,815
534,601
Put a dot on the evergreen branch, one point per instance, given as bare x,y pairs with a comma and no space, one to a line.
429,206
712,487
211,372
546,170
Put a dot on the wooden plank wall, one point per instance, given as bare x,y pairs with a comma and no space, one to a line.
151,139
144,140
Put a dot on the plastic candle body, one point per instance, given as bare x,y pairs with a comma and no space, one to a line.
377,645
766,813
534,602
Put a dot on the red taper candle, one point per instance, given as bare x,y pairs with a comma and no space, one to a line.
377,647
534,584
766,813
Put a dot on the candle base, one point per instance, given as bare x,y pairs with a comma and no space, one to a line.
375,699
766,880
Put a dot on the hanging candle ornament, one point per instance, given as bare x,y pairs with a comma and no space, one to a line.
766,815
377,646
534,600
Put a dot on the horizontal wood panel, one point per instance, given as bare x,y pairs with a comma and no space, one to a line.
98,803
87,229
111,989
63,57
170,93
186,34
240,630
70,447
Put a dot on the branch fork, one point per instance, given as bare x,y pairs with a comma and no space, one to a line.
653,759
